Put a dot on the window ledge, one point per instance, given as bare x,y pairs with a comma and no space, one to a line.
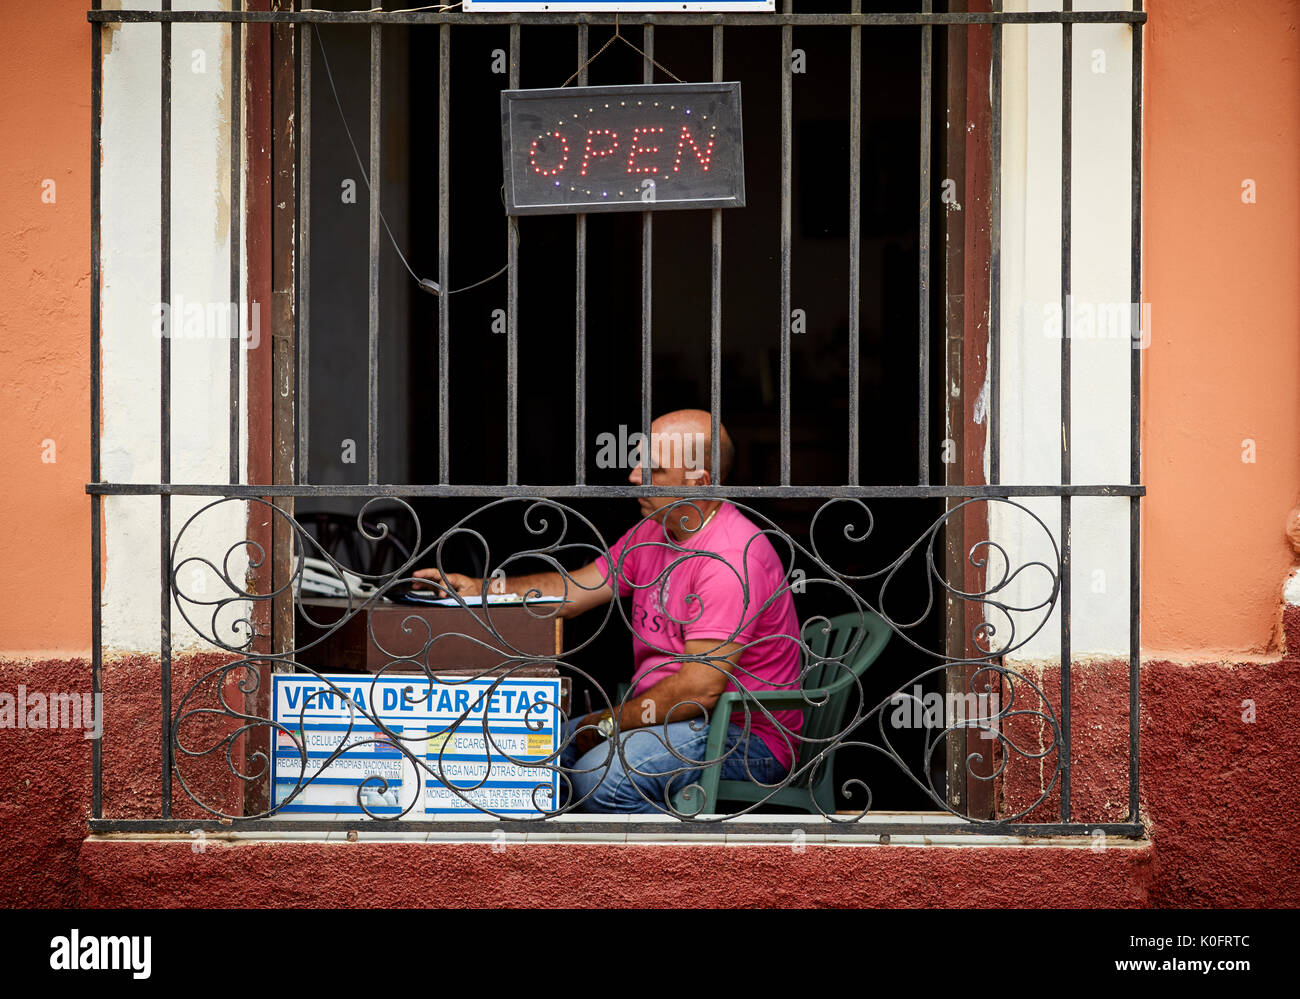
914,829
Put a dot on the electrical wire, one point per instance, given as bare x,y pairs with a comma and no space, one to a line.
425,284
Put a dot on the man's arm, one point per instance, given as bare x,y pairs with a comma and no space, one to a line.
585,588
699,682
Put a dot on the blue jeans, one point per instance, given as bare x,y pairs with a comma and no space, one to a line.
601,782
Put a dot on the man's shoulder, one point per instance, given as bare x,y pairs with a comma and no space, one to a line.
745,559
640,541
744,538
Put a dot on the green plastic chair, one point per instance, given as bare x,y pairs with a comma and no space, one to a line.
829,685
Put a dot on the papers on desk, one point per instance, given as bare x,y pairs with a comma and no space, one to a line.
474,600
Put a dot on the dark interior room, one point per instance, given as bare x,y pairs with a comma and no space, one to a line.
751,316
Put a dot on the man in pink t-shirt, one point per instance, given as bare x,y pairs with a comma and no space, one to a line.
711,612
722,596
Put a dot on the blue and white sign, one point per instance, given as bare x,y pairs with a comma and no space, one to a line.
641,6
474,740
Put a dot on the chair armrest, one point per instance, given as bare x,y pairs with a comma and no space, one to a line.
773,700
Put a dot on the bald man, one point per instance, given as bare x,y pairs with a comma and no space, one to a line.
711,612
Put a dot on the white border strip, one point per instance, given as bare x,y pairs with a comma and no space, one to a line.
623,6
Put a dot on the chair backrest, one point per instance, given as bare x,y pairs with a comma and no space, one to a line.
839,651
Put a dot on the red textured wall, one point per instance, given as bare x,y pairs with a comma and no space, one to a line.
600,876
44,794
1216,792
45,790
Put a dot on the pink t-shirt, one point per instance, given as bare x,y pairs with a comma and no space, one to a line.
678,596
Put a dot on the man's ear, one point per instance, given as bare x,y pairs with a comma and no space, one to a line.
698,477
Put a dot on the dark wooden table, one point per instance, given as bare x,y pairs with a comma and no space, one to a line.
468,648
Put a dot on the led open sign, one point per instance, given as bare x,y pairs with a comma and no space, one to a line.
629,149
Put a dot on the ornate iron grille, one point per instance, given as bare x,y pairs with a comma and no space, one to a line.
558,527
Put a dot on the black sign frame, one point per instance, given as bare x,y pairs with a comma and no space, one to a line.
675,94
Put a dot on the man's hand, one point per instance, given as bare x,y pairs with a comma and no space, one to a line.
587,737
582,589
452,582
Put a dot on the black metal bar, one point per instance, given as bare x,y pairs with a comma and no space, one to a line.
625,18
1067,114
372,374
580,308
444,253
647,285
787,110
96,503
923,255
570,824
512,307
302,323
936,491
165,408
1065,658
1135,428
715,304
855,241
96,649
1135,649
995,261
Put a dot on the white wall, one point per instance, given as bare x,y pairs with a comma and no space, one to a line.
200,232
1030,435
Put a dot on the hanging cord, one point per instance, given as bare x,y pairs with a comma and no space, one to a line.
618,36
425,284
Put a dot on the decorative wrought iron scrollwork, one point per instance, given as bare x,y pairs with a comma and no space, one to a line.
1011,605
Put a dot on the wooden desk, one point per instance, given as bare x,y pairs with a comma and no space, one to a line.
349,649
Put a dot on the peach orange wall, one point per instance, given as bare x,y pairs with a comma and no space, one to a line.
44,329
1222,108
1223,277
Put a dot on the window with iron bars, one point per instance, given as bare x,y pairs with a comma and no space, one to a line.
216,732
